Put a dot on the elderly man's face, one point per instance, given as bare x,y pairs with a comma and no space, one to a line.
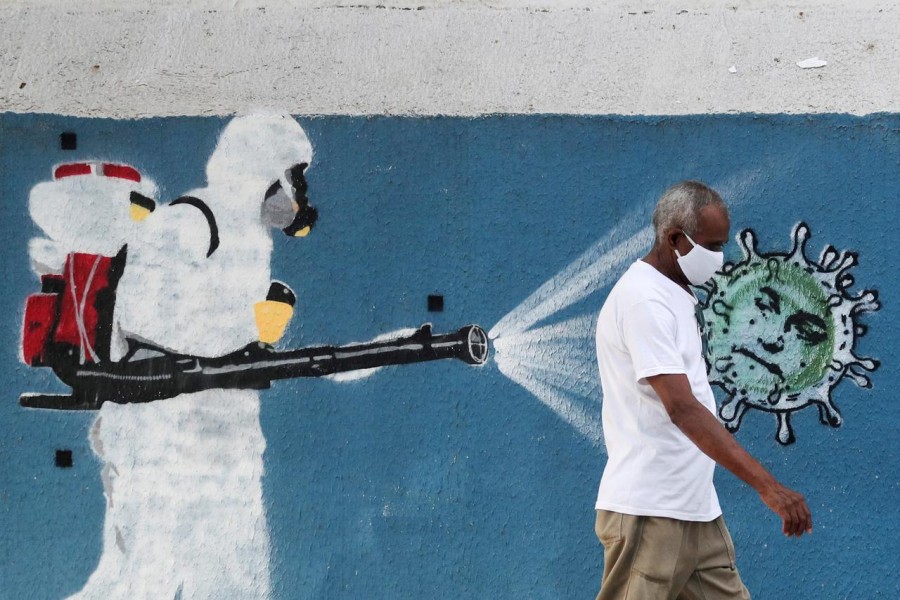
713,227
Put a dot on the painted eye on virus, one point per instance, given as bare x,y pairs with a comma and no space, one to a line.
780,332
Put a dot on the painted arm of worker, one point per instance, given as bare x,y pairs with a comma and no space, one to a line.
702,428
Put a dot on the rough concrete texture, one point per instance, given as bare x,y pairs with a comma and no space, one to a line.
135,59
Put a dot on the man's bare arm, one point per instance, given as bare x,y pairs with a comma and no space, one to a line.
702,428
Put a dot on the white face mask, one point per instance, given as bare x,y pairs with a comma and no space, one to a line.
700,264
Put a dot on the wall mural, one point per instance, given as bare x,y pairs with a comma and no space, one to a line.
143,301
781,331
204,397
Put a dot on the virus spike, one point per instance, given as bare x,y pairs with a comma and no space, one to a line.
731,412
869,364
829,413
847,260
747,240
860,379
828,257
785,434
800,236
867,301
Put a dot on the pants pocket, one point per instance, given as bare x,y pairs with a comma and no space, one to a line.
644,587
608,527
659,548
726,539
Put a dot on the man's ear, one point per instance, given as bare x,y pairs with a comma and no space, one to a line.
672,236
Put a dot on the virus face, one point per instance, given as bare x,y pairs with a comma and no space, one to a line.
781,331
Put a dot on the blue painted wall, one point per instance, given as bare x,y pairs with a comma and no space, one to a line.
443,480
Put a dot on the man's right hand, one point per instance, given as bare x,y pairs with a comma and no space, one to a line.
790,506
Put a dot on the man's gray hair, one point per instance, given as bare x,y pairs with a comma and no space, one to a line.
680,207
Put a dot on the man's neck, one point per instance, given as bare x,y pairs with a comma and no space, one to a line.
664,262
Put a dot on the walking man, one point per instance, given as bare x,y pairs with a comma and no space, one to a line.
658,516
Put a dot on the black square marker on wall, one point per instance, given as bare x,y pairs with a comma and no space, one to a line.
435,303
64,459
68,141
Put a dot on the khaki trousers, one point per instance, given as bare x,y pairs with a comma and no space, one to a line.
655,558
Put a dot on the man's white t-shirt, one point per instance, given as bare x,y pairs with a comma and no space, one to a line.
647,327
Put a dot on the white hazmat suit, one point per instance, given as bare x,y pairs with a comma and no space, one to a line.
182,477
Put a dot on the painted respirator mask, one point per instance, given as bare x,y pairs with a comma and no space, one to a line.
286,205
700,264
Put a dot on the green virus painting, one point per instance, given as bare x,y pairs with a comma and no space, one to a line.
781,332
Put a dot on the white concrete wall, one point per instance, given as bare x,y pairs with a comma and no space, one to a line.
135,59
